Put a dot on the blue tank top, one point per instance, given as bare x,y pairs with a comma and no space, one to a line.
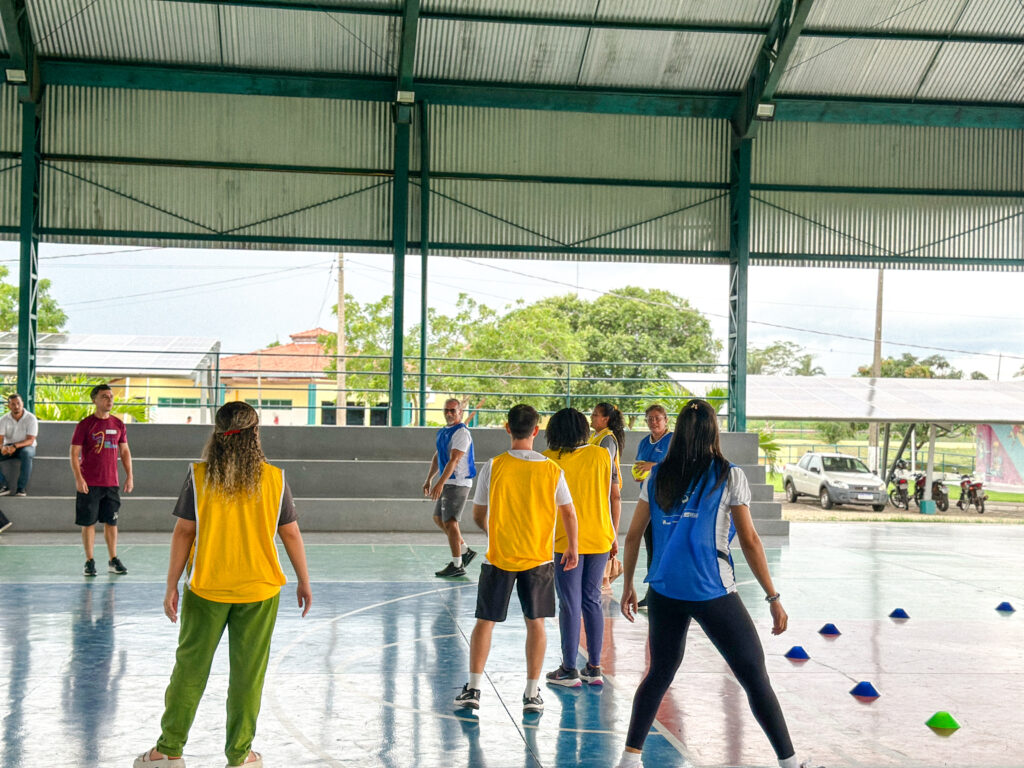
687,563
648,451
444,442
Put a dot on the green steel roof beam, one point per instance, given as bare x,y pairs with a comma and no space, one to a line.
22,66
407,49
772,59
894,112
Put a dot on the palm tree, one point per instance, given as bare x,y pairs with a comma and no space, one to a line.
805,367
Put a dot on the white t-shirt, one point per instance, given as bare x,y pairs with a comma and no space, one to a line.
461,441
483,480
16,431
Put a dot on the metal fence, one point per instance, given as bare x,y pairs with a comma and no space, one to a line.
946,462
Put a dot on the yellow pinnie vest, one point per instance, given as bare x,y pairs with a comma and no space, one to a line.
521,512
596,440
588,473
234,558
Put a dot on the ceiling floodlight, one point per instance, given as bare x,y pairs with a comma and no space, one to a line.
406,97
17,76
765,111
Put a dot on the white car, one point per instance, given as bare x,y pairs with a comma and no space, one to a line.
834,478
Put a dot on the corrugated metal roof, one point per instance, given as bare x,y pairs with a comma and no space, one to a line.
212,127
577,216
203,201
668,60
878,68
3,41
10,199
10,120
574,9
681,11
902,228
548,143
1002,17
993,17
888,156
234,37
108,354
955,74
514,53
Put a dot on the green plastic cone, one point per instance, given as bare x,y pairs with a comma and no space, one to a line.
943,720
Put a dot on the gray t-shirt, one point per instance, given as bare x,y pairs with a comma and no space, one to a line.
185,508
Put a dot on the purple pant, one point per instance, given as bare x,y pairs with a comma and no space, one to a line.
579,593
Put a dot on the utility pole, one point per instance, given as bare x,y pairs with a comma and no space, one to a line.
340,411
876,372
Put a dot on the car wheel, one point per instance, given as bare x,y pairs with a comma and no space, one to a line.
878,507
825,499
791,494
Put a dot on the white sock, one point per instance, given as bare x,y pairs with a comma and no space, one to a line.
457,561
629,760
474,680
789,762
464,548
532,688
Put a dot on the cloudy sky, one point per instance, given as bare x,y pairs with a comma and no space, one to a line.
247,299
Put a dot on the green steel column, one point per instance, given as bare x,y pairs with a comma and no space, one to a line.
28,293
424,252
739,263
399,224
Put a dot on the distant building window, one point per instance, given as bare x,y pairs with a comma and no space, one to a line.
269,403
178,402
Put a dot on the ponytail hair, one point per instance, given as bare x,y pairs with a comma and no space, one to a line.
615,423
695,449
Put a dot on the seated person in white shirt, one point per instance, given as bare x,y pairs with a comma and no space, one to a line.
19,429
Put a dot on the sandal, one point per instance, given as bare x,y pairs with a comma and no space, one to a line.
144,761
257,763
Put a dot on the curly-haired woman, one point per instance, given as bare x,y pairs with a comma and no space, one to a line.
232,505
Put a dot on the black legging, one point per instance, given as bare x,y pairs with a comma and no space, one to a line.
727,624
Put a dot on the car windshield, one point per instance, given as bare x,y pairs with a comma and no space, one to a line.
844,464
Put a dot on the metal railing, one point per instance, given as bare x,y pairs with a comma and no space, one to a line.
946,462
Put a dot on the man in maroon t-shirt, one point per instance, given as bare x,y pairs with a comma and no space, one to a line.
98,441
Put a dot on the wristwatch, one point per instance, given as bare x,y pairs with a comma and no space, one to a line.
772,598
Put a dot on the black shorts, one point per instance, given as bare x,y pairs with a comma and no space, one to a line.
100,504
536,589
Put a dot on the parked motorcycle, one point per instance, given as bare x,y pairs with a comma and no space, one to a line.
899,494
972,492
940,494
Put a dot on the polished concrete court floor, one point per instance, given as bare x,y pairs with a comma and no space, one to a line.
368,677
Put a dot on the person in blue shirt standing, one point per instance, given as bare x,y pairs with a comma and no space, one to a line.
696,501
649,453
450,489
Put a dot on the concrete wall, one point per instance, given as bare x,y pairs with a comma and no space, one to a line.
343,478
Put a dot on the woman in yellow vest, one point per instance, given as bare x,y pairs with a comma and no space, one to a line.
609,432
229,510
592,479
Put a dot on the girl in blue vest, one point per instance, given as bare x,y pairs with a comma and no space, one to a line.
696,501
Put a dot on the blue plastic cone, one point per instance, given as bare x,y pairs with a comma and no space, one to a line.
829,630
864,690
797,653
899,613
1005,607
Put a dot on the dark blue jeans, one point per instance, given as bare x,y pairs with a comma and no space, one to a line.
25,456
579,592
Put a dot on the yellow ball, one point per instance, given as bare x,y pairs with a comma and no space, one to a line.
639,473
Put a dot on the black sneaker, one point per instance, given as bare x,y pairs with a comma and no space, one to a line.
116,566
4,490
4,522
591,675
569,678
467,557
90,568
533,703
20,492
451,570
642,603
469,698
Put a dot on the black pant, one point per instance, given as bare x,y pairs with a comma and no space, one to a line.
728,626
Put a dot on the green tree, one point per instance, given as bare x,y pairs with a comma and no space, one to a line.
782,358
909,367
52,318
66,398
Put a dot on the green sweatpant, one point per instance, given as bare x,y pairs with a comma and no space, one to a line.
249,626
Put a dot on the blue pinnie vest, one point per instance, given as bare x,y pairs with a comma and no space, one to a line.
444,441
689,561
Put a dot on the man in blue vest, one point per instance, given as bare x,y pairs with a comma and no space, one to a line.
450,489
